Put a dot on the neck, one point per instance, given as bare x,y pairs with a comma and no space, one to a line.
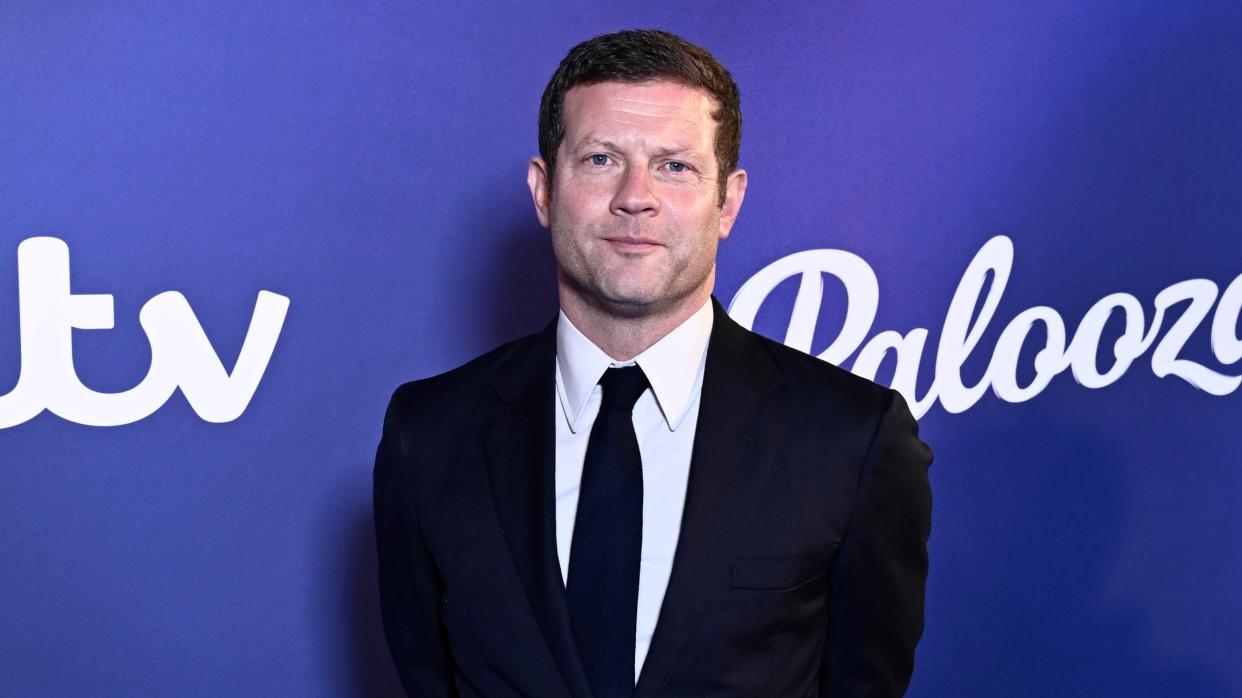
624,336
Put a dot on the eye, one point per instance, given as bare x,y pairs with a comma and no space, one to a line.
598,159
674,166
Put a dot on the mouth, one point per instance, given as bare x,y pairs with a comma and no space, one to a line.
629,244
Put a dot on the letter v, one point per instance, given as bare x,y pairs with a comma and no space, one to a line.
178,339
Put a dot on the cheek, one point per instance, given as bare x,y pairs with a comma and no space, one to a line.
696,226
570,214
582,195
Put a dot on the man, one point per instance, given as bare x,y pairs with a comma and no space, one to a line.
645,498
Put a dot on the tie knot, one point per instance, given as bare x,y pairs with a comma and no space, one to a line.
622,386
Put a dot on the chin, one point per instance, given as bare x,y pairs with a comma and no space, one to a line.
625,305
635,303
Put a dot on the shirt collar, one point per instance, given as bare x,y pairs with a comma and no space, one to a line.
671,365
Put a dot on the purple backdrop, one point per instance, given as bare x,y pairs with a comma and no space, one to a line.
366,161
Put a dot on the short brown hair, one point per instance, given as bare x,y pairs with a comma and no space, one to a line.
636,56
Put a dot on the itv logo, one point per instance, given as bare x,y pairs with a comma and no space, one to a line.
181,355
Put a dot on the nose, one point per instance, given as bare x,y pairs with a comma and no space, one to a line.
634,195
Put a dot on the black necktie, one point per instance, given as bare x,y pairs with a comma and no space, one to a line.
608,539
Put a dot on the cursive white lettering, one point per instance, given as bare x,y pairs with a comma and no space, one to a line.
963,330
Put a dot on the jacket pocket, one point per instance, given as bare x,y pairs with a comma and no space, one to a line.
775,573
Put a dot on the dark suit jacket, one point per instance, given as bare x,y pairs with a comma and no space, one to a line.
802,559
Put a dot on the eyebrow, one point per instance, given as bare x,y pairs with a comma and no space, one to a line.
591,142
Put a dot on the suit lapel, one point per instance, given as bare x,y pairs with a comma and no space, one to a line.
521,462
734,440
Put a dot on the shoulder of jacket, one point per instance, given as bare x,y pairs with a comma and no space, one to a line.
461,383
817,379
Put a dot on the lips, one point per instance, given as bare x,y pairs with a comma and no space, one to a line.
628,244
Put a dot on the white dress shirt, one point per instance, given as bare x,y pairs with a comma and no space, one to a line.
665,418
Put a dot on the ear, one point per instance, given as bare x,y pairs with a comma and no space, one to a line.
735,192
537,180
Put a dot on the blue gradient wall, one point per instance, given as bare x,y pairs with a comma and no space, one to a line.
366,161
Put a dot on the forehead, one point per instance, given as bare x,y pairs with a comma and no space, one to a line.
660,110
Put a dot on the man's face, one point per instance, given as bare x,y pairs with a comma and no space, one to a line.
634,209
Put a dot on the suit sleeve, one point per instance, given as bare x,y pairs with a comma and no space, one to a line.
880,574
409,584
